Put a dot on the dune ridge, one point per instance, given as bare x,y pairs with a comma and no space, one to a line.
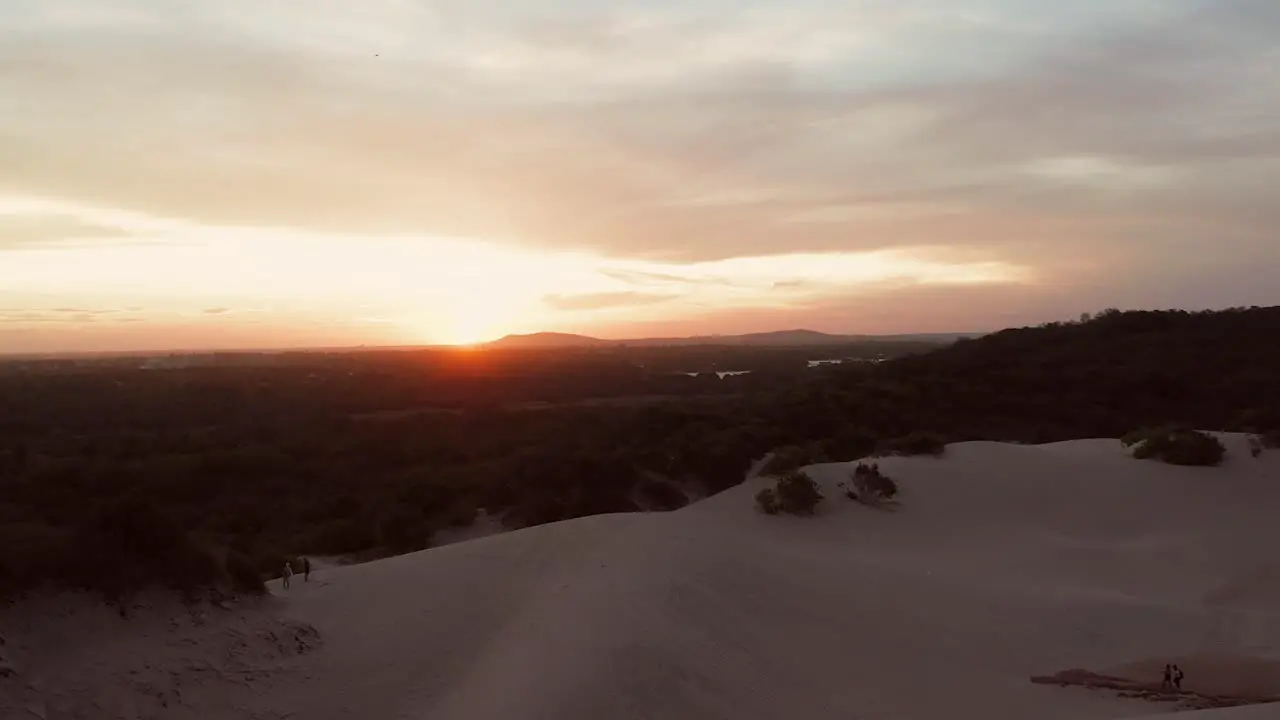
1005,562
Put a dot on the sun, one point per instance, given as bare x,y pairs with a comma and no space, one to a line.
464,334
472,323
467,340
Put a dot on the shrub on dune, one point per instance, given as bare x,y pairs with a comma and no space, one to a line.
795,493
767,501
870,486
1175,445
798,493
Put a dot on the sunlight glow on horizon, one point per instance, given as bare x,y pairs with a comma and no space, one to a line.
235,174
424,289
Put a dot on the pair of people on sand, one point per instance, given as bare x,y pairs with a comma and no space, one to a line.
1172,677
288,571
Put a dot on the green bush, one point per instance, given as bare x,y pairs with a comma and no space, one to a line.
767,501
869,485
1175,445
798,494
795,493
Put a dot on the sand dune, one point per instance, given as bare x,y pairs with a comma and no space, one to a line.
1004,562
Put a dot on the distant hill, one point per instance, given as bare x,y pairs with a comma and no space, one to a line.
1100,378
546,340
778,338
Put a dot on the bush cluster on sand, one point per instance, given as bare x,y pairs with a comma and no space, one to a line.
1175,445
869,486
795,493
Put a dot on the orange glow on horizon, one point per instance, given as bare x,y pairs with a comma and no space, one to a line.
159,273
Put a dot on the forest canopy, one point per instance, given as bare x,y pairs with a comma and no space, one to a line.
266,457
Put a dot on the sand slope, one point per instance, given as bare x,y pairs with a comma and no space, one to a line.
1004,562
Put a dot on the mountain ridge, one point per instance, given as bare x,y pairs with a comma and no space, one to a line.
793,337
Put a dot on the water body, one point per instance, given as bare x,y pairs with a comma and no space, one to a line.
841,361
720,373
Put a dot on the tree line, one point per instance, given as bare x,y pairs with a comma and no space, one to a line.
377,453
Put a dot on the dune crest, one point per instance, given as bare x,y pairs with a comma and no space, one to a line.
1004,562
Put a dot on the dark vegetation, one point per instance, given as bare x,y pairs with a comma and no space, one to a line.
658,495
1263,427
870,486
916,443
795,493
1264,441
1175,445
248,459
788,458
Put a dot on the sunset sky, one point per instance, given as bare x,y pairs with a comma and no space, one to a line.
264,173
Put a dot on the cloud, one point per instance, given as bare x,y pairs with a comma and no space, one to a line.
650,133
52,231
599,301
216,311
637,277
54,316
1098,148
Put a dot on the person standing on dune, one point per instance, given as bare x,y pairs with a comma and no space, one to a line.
1177,678
288,573
306,569
1167,683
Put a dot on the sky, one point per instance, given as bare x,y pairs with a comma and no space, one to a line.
178,174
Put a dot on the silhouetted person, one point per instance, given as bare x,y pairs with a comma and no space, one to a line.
1168,677
306,569
1177,678
288,573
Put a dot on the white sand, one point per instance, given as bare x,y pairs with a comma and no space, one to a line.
1004,562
